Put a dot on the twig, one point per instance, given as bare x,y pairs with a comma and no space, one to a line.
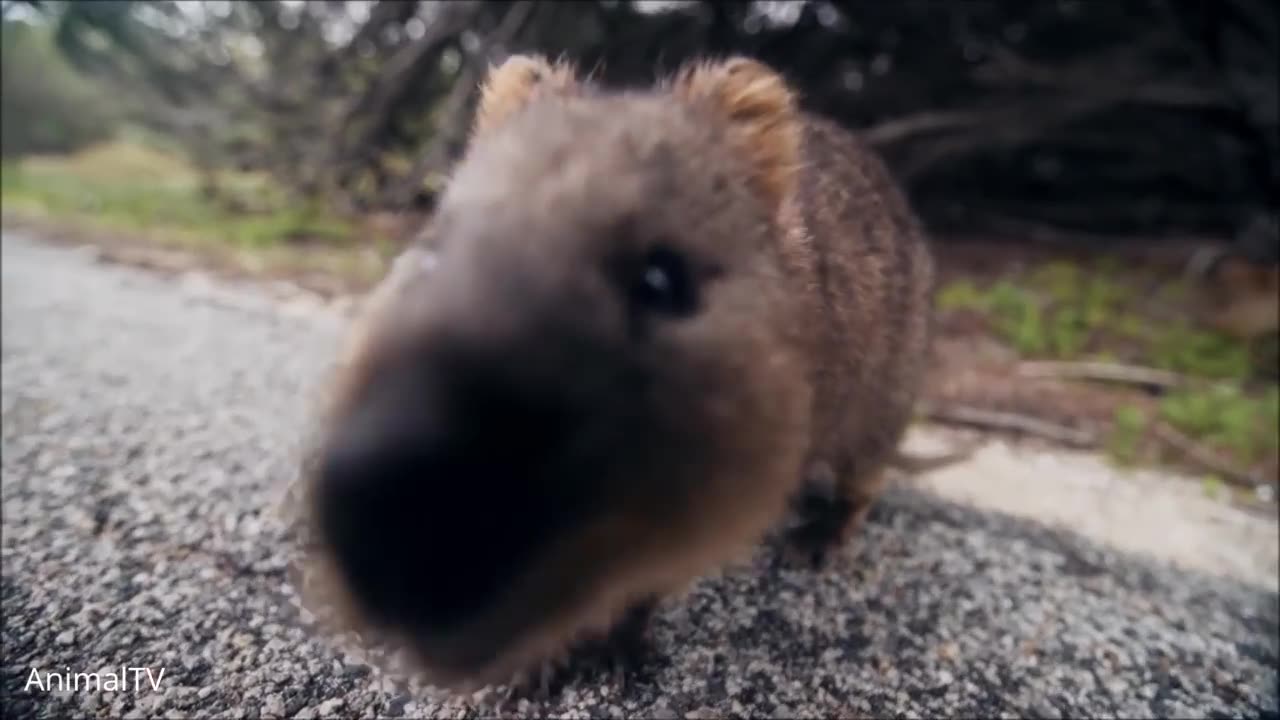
999,420
400,72
454,109
1041,232
903,128
1104,371
1205,457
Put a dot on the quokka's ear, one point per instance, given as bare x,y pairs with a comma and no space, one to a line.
760,116
509,87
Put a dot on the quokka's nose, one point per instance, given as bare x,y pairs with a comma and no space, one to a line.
374,492
429,502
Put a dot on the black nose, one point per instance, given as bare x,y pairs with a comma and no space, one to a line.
430,505
374,497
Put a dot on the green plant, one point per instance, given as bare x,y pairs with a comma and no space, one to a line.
1063,310
961,295
1128,427
1068,332
46,107
1054,310
137,188
1225,415
1212,486
1194,351
1018,317
1059,279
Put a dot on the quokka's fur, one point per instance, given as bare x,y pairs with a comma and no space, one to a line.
656,315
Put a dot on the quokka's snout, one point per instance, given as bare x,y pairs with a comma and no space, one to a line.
463,451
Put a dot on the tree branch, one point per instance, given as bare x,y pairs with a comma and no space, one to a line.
454,112
403,69
1103,371
999,420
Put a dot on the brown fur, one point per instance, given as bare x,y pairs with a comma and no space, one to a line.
514,84
868,275
763,123
802,358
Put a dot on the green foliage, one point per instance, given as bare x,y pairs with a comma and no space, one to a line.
1014,311
46,107
1018,317
1022,318
1183,348
1225,415
1126,434
1064,311
961,295
1212,487
130,187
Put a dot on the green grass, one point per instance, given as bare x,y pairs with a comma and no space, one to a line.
1183,348
1226,416
1055,311
1063,311
1212,487
131,187
1126,434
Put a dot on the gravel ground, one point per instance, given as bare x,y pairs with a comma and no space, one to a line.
149,426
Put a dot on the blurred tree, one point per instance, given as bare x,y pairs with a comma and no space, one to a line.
45,107
1101,118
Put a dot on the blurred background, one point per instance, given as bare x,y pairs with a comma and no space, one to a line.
1101,178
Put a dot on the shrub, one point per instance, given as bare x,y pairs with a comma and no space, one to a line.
46,108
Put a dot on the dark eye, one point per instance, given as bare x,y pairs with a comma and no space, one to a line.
666,284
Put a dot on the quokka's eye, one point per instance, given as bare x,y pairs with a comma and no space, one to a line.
666,284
